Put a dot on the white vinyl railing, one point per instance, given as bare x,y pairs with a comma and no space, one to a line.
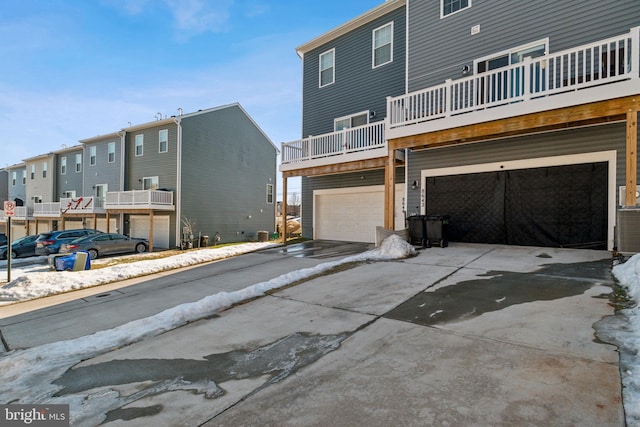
20,212
69,205
361,138
139,198
604,62
46,209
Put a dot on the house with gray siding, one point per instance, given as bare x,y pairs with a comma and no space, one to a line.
16,190
517,120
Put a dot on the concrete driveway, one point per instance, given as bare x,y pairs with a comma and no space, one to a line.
466,335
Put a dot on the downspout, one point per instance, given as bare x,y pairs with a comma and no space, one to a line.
406,185
406,48
123,135
178,193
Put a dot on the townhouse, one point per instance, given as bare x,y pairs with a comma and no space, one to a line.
516,119
212,171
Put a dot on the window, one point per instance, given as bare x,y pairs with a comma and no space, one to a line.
44,169
327,68
37,199
63,166
163,137
14,177
78,163
111,150
449,7
150,183
92,155
24,177
69,194
352,121
101,194
33,171
383,45
270,193
511,56
139,143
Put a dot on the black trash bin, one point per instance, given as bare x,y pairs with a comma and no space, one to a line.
204,241
436,230
417,229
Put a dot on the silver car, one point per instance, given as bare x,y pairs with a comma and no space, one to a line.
106,244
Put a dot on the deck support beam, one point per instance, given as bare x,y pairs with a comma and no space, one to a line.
632,159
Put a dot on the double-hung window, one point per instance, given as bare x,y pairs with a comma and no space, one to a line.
92,155
449,7
78,163
33,171
163,138
111,152
327,67
63,166
270,194
382,45
24,177
139,145
14,177
44,169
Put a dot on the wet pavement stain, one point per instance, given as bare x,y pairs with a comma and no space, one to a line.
278,360
472,298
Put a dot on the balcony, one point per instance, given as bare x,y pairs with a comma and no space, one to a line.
353,144
84,205
604,70
22,213
140,199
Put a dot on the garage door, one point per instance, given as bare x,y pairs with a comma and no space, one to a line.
352,214
139,227
559,206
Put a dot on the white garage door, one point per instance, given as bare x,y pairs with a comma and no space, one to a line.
352,214
139,227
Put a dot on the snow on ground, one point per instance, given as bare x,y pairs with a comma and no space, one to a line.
627,337
27,375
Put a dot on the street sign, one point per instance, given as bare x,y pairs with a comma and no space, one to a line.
9,208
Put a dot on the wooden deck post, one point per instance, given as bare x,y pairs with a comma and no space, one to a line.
108,221
632,150
284,209
389,190
151,231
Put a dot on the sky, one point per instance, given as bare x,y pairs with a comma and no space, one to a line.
74,69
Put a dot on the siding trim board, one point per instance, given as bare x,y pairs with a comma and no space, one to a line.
608,156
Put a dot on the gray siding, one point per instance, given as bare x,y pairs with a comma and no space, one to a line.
226,165
4,185
347,180
39,185
584,140
102,172
357,86
152,162
439,48
72,180
17,190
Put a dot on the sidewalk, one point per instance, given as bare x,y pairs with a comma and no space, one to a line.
467,335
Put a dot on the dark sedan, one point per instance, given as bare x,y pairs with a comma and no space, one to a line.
105,244
22,247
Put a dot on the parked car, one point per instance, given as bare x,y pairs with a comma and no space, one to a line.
49,243
22,247
3,239
106,244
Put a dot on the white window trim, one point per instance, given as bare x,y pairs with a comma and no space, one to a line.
333,68
78,163
160,141
337,119
150,178
270,193
442,15
544,41
93,155
44,169
63,165
111,144
135,145
33,172
14,178
373,46
37,199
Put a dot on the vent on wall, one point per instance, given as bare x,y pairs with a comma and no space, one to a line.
628,231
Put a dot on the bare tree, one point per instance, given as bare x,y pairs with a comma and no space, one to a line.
293,205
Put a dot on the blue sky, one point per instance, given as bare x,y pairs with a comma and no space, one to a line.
73,69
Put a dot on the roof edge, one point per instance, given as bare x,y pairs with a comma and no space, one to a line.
365,18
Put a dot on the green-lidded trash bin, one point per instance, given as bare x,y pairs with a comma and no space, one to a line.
436,230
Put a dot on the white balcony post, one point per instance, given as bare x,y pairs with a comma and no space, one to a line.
635,52
447,96
389,117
